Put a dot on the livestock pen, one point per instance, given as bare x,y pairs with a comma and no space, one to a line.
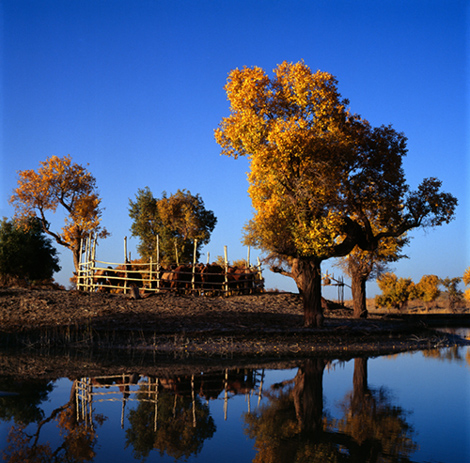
191,278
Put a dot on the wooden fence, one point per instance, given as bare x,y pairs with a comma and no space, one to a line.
195,278
223,385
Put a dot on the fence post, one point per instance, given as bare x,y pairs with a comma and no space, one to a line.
158,263
92,264
87,264
125,265
226,270
79,271
193,278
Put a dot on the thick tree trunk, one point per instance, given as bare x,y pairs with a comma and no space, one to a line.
307,276
358,289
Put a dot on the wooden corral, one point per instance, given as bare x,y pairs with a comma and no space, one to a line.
137,277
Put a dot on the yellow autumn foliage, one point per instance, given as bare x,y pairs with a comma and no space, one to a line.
60,183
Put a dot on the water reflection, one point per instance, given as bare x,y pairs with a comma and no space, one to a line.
294,427
173,415
78,435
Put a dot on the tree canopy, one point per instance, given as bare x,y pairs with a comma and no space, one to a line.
322,180
61,183
25,251
177,220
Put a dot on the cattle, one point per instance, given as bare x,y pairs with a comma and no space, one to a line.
100,278
123,276
181,278
213,279
240,280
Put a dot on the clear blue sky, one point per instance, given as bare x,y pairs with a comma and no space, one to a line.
135,89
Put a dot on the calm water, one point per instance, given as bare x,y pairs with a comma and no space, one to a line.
408,407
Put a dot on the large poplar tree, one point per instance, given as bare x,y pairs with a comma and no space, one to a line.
319,175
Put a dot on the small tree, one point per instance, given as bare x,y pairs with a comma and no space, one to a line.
454,294
395,291
60,183
178,220
466,282
25,251
427,289
361,266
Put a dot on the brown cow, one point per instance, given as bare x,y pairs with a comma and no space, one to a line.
240,280
181,278
213,279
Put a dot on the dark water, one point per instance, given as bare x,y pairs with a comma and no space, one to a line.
408,407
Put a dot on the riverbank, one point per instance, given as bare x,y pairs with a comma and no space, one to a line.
250,325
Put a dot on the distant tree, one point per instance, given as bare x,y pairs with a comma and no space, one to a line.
322,180
61,183
25,251
466,281
361,266
454,294
427,289
177,219
395,291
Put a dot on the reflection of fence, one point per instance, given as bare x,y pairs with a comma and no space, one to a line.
132,387
152,276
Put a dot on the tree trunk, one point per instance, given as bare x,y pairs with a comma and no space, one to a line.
308,396
360,387
307,276
358,289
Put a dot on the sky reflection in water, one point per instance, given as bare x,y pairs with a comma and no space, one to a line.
408,407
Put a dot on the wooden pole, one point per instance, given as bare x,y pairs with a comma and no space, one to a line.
125,265
92,265
226,269
158,262
193,278
80,262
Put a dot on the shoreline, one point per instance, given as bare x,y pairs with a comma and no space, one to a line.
203,329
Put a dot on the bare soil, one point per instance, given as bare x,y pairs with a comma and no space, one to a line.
261,324
45,332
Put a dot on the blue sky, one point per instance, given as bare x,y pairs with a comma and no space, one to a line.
135,90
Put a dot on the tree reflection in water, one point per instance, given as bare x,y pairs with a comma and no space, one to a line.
78,436
293,427
177,422
172,417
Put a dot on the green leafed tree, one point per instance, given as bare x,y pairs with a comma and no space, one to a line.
322,180
25,251
177,220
